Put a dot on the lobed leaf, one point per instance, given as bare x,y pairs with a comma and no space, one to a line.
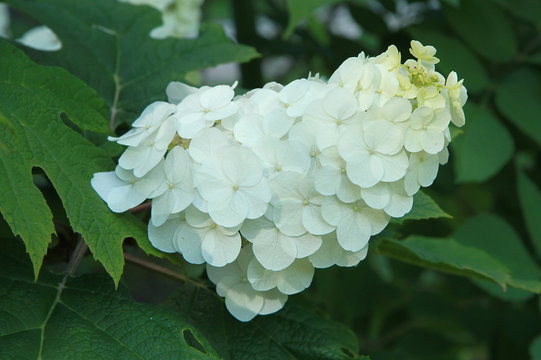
486,247
35,99
291,333
107,44
84,318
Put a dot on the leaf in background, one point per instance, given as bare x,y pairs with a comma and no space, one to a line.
528,10
530,201
423,208
534,58
497,238
445,255
484,148
291,333
535,348
485,27
454,56
300,10
486,247
107,44
518,99
84,318
33,98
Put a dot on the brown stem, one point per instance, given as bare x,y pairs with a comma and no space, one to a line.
160,269
76,257
141,207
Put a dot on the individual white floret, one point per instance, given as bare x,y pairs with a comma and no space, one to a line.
349,73
431,97
208,144
332,253
163,237
390,59
274,249
202,109
296,205
306,135
387,85
122,190
331,178
298,94
150,120
422,171
391,197
268,118
423,53
355,222
177,191
367,159
426,130
217,244
149,140
388,124
336,113
241,300
176,91
233,185
291,280
279,155
457,95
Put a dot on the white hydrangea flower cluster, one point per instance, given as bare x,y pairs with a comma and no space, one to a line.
267,186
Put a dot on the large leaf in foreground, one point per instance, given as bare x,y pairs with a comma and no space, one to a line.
33,98
84,318
107,44
291,333
486,248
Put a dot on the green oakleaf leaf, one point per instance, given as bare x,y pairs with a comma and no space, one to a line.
484,148
423,208
486,247
446,255
518,99
497,238
36,99
84,318
291,333
107,44
530,201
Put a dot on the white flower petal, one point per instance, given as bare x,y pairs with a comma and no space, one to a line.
243,302
219,249
296,277
187,241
